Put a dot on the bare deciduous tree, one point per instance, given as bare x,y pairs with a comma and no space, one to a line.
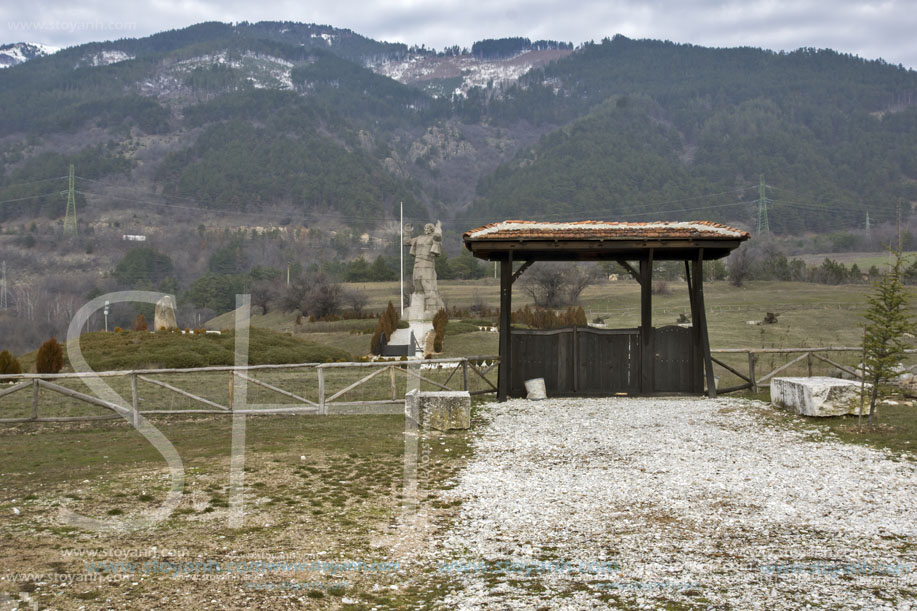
553,285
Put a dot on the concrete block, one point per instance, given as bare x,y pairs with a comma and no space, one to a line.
817,396
443,411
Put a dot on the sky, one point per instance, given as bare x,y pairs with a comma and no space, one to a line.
869,29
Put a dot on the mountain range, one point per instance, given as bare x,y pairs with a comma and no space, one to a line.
329,126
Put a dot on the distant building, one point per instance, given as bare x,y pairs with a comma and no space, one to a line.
134,238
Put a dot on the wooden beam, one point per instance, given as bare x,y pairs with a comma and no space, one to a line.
423,379
697,356
483,375
702,322
731,370
782,368
354,385
627,266
119,409
12,389
275,389
839,366
647,348
522,269
184,393
506,304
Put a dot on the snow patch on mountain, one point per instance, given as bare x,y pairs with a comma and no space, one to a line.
262,71
19,52
105,58
467,70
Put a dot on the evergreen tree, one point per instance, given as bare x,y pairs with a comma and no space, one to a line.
50,357
8,363
887,322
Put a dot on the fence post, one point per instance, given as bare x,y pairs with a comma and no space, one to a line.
391,379
322,408
232,378
135,401
35,399
809,363
751,372
465,375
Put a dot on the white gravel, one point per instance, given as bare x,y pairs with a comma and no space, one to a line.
587,503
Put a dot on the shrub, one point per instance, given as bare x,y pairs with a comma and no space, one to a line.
439,329
50,357
140,323
9,364
388,322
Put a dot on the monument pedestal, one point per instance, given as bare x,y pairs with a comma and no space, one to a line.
420,328
418,310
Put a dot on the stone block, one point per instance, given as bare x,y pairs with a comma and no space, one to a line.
443,411
817,396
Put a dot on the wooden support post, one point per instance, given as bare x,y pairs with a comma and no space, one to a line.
391,381
702,322
751,372
809,364
647,347
35,399
465,375
697,371
322,408
135,402
506,304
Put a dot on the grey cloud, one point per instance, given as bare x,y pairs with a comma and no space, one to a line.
866,28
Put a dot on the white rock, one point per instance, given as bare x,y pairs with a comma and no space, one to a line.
817,396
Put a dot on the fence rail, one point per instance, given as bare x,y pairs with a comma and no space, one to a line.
751,381
334,388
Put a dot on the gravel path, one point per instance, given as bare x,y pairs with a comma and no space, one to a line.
588,503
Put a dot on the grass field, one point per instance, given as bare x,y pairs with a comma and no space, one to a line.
316,490
863,260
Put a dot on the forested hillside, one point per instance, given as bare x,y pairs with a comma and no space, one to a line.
239,117
652,122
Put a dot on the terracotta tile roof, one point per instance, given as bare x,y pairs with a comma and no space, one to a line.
601,230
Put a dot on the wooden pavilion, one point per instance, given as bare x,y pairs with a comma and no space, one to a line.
593,361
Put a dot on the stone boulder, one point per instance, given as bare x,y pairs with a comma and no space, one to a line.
817,396
164,315
442,410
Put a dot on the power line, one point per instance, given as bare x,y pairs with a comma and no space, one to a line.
32,182
22,199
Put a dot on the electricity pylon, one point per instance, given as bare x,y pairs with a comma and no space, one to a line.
763,224
70,217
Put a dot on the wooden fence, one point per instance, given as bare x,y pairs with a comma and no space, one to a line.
331,386
807,358
327,388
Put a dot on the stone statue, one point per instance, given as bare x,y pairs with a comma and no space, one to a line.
164,315
425,301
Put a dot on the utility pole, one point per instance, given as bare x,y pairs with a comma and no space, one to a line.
763,225
70,217
868,225
4,297
900,236
401,259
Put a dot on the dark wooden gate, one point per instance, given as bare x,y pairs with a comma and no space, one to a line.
676,368
591,361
